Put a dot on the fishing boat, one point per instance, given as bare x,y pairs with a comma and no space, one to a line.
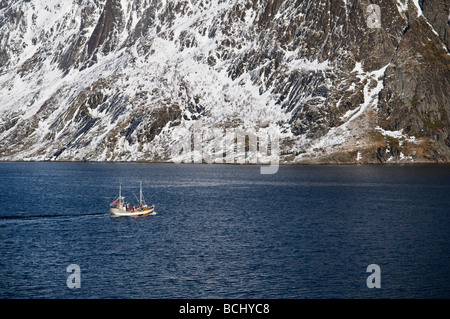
120,207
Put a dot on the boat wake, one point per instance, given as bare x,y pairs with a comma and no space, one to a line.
48,216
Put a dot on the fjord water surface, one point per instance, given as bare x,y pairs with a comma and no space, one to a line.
225,231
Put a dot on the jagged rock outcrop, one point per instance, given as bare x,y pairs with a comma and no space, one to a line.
133,80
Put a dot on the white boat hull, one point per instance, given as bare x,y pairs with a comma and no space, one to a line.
138,213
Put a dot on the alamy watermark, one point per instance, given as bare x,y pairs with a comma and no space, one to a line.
373,12
74,279
374,280
202,144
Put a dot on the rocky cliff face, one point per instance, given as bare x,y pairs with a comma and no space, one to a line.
333,81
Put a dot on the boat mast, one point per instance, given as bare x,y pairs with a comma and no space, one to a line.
140,194
121,199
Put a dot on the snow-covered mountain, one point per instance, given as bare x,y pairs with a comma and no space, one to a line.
131,80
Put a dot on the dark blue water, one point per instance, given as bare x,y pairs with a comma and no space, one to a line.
225,231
